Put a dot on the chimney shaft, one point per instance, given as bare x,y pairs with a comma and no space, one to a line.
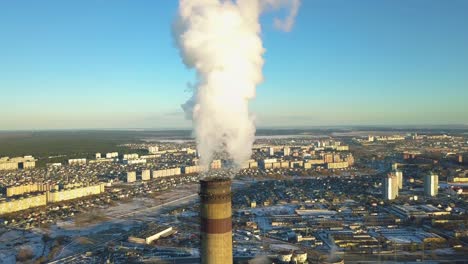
216,223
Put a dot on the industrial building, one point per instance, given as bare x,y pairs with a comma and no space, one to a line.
431,184
151,234
417,211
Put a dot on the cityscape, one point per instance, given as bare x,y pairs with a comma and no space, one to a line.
234,132
321,197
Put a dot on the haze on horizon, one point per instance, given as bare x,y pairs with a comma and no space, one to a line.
93,64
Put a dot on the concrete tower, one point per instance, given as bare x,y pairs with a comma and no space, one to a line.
216,223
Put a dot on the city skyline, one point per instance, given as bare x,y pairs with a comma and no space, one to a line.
100,66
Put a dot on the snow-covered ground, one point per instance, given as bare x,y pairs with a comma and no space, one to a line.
12,241
111,223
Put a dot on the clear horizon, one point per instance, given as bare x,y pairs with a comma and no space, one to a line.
95,65
305,128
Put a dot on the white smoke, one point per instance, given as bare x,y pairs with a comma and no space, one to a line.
221,40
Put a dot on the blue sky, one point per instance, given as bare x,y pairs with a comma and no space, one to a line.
113,64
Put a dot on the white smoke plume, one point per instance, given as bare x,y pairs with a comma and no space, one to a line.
221,40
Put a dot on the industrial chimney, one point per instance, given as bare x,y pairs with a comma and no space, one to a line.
216,223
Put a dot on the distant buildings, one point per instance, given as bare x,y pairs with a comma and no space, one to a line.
16,163
130,156
171,172
30,188
151,235
271,151
76,161
250,164
70,194
153,149
399,175
185,170
431,184
342,148
134,161
145,175
372,138
15,205
337,165
286,151
131,176
216,164
111,155
49,194
390,187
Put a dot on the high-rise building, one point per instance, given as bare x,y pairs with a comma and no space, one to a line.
286,151
390,187
131,176
431,184
272,151
216,223
399,175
